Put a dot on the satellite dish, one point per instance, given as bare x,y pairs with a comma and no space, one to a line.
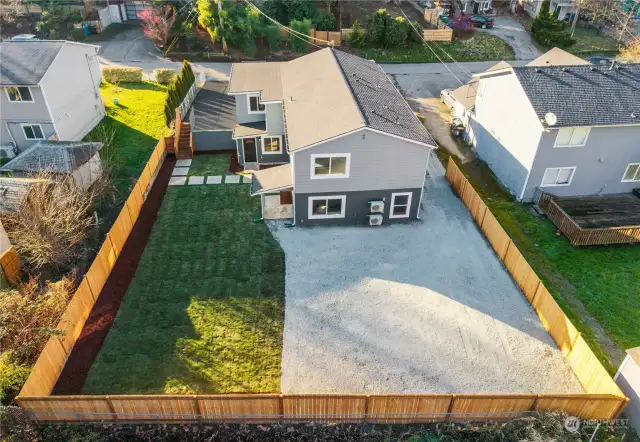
550,118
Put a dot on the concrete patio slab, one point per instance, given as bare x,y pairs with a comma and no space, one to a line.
180,171
177,180
196,180
247,179
217,179
183,163
232,179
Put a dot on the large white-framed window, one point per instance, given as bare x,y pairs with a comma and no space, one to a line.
400,205
253,104
326,166
558,176
19,94
632,173
32,131
572,136
324,207
271,144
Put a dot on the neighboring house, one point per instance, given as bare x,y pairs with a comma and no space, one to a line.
474,6
81,160
568,130
531,7
628,379
563,8
50,90
348,147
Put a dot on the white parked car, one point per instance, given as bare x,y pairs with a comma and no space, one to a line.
447,98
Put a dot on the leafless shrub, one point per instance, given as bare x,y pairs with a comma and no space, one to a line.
29,315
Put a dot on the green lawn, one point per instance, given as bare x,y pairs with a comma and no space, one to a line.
210,164
590,41
606,280
205,310
480,47
136,124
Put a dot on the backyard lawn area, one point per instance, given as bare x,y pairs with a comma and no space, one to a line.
205,164
606,280
480,47
590,41
205,310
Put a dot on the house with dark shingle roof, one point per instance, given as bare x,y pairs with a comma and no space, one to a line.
571,130
49,91
341,144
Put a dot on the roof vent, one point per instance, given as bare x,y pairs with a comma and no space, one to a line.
535,70
613,64
564,69
592,68
633,115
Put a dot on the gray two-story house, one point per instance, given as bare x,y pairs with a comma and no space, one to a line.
49,90
340,143
567,130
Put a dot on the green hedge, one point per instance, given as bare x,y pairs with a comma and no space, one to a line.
177,90
164,75
122,74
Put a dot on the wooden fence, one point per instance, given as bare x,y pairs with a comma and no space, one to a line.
586,237
55,353
319,37
10,265
603,399
445,34
588,369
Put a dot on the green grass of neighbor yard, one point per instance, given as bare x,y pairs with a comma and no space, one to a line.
590,41
480,47
210,164
137,123
606,280
205,310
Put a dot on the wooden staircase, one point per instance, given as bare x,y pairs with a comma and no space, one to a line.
183,140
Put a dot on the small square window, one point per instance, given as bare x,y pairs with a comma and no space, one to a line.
632,173
330,166
33,132
18,94
254,104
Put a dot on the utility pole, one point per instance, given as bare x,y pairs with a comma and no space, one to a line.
575,20
224,40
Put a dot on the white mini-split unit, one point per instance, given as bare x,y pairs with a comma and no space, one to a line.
376,206
375,220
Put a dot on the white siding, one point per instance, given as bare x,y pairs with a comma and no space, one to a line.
71,87
378,162
628,379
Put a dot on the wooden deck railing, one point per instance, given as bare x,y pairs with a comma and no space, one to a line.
579,236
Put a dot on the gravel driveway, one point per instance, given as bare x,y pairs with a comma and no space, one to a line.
415,308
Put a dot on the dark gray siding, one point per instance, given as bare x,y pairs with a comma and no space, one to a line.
356,207
210,140
273,158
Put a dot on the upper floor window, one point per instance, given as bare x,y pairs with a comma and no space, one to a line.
254,105
271,145
330,166
572,136
632,173
19,94
558,176
33,132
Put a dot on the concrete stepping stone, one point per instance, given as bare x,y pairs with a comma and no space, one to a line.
177,180
217,179
232,179
195,180
247,179
180,171
183,163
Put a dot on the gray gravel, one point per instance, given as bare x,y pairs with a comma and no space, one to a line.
418,308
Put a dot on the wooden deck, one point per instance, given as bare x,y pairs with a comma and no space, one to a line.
595,220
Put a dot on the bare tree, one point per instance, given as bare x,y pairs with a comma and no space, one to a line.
10,9
615,16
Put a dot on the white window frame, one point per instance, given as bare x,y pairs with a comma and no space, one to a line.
327,197
23,125
637,179
393,203
278,152
6,91
249,96
555,143
330,176
573,174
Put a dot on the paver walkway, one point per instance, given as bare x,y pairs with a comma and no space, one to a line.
181,170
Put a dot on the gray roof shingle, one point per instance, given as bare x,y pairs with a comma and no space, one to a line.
380,102
584,95
53,156
24,63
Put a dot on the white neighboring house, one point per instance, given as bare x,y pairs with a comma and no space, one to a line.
560,7
81,160
50,90
628,379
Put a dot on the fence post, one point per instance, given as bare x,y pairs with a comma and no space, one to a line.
366,409
199,416
112,410
573,344
535,403
623,403
449,410
281,407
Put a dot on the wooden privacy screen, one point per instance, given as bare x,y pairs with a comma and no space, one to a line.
603,399
10,263
55,353
588,369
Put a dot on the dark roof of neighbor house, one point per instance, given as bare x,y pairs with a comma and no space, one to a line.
53,156
24,63
380,102
583,95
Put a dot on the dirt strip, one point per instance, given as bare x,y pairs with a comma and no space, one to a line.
104,311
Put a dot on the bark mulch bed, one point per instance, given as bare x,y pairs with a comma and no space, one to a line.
104,311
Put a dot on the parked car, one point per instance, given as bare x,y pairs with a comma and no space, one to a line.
24,37
447,98
481,22
599,60
457,127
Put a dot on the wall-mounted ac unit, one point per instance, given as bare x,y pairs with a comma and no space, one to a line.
376,206
375,220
